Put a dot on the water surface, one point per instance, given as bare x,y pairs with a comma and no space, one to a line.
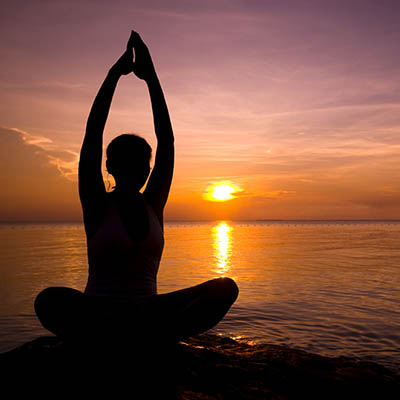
326,287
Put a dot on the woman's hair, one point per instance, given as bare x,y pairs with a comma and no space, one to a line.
128,151
131,145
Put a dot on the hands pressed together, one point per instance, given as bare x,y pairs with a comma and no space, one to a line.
142,66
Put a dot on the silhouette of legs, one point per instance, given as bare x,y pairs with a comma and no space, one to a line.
187,312
64,311
69,313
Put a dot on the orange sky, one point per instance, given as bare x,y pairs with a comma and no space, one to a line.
297,105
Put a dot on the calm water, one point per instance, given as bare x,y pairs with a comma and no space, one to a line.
330,288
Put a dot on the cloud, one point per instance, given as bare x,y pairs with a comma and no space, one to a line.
33,188
66,161
382,199
45,87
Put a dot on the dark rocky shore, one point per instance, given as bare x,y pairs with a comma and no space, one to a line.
204,367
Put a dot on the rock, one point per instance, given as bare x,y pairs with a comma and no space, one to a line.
203,367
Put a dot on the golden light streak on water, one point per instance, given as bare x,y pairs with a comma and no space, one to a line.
222,235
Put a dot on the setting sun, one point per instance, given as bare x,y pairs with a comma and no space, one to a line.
221,191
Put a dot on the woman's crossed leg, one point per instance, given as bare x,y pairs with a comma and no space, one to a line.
70,314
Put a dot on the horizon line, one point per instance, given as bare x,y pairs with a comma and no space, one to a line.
220,220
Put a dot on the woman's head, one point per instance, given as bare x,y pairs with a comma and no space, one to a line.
128,160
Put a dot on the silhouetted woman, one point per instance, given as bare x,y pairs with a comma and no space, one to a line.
124,232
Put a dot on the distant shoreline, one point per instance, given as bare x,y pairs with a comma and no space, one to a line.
290,221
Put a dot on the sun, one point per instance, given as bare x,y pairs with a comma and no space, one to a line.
221,191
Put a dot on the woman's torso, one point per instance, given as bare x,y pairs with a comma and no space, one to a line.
125,252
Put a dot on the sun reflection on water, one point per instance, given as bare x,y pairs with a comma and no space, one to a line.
222,235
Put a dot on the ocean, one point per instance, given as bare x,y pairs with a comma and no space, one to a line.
328,287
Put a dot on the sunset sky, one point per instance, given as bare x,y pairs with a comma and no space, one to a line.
295,103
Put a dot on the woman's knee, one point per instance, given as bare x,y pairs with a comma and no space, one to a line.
53,300
57,307
227,289
44,300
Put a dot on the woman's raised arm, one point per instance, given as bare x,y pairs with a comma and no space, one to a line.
91,185
157,189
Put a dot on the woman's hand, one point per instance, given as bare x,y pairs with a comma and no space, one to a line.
143,66
124,65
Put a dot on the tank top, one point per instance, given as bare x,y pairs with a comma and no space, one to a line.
121,266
